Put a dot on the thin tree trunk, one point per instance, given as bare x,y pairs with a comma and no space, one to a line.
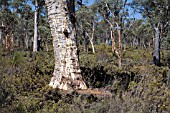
67,74
112,36
156,55
46,46
0,36
91,40
136,42
143,43
113,40
7,41
124,43
106,40
92,45
35,43
120,49
12,42
26,40
119,52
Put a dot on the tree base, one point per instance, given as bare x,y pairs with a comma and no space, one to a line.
67,84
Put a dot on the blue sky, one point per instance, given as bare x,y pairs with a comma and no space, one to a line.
90,2
137,15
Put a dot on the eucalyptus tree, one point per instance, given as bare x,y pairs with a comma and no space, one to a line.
4,6
86,24
139,33
38,5
114,12
156,12
35,42
25,10
23,31
1,27
67,74
9,20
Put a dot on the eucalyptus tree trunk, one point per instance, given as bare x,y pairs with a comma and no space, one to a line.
120,47
26,40
67,74
35,41
112,36
91,39
0,36
12,42
92,44
156,54
7,44
113,40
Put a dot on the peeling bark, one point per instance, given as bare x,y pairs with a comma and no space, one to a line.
156,55
67,74
35,43
91,40
7,42
113,40
120,48
12,42
0,36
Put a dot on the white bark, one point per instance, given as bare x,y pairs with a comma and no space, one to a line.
35,42
91,41
156,55
67,74
0,36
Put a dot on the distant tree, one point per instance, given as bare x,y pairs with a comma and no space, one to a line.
86,25
23,32
35,42
8,19
157,14
114,13
38,5
139,33
67,74
17,18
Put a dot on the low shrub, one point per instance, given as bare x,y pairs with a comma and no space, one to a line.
138,86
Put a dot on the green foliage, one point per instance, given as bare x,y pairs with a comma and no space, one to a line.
136,87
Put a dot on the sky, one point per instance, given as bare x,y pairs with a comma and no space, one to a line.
90,2
137,15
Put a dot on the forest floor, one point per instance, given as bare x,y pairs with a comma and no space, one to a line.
138,86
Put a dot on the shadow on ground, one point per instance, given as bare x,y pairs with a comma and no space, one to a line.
97,77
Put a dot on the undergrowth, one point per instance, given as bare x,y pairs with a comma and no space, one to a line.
139,86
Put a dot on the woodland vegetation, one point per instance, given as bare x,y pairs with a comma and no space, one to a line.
117,52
